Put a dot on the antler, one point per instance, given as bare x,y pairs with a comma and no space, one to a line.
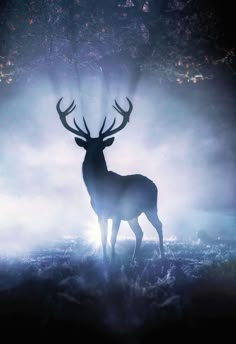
63,114
110,131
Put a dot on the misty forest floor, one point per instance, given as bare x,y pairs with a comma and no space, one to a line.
66,290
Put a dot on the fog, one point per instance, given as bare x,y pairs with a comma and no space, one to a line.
182,138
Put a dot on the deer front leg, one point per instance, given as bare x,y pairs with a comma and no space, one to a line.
115,229
103,228
138,234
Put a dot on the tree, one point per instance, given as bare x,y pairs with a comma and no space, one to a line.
176,40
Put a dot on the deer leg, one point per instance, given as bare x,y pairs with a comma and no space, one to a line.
155,221
103,228
115,229
138,234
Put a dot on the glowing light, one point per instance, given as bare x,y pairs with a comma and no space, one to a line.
93,234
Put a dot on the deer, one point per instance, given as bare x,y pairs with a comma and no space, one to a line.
114,196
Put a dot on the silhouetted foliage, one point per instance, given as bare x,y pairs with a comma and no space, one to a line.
176,40
64,289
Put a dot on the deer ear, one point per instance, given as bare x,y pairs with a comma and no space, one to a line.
108,142
81,143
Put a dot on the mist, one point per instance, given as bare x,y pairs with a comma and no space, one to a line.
180,137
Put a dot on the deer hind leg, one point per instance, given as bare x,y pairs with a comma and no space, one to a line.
115,229
155,221
103,228
138,234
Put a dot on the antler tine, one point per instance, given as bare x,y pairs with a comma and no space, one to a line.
118,108
103,125
108,130
81,132
65,113
125,115
112,125
70,108
130,105
86,127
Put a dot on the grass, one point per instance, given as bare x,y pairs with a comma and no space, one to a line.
66,290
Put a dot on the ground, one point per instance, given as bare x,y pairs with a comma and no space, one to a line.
66,290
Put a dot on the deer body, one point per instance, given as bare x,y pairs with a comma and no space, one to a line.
111,194
114,196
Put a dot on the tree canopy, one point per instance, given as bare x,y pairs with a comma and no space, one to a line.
176,40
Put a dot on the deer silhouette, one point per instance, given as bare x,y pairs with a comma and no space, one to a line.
114,196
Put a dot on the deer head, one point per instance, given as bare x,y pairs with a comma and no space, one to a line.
87,142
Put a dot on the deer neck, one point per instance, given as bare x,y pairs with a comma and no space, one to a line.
94,170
